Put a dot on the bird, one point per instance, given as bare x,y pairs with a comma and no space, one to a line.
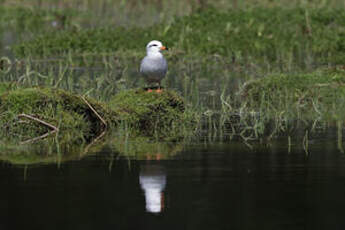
154,66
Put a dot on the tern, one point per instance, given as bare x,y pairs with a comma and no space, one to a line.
154,66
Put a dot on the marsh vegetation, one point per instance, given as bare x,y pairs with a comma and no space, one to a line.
252,71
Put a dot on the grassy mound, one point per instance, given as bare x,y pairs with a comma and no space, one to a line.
312,96
28,113
261,33
23,109
152,113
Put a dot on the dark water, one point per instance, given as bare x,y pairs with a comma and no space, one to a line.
206,186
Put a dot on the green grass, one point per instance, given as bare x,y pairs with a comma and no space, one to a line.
325,89
5,86
278,103
295,36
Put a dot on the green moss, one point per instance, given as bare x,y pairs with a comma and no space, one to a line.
64,110
152,113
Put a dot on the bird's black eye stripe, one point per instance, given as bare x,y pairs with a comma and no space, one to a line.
153,45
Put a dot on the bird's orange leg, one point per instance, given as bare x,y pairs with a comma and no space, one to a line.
149,90
159,90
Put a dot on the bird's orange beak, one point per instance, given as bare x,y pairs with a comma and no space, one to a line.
164,48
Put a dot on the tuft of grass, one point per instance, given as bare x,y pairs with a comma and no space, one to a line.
279,103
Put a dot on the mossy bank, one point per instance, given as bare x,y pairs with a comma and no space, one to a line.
31,112
163,115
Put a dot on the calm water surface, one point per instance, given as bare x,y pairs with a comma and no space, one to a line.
205,186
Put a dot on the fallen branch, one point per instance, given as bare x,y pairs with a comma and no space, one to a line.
99,136
38,138
54,129
39,121
95,112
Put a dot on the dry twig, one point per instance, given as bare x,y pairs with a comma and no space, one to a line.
95,112
54,129
99,136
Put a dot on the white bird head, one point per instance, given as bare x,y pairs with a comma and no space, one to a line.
155,47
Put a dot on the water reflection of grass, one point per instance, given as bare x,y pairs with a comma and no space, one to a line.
144,148
47,152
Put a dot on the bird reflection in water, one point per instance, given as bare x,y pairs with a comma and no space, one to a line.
152,180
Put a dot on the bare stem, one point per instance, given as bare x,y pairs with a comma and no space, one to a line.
95,112
39,121
54,128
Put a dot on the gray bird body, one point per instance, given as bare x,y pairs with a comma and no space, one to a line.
154,67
